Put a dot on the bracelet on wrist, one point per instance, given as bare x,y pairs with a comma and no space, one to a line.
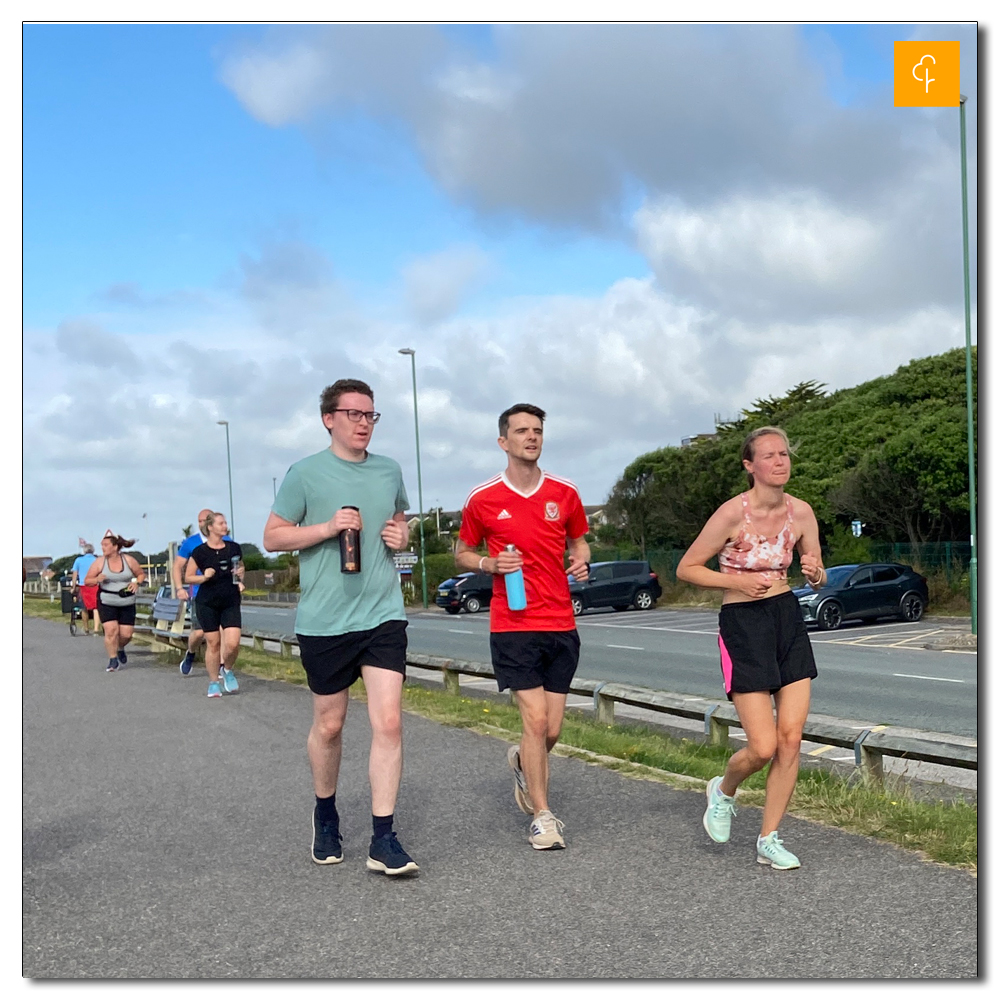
481,561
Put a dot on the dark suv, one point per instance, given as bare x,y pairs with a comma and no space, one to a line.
618,585
866,591
472,591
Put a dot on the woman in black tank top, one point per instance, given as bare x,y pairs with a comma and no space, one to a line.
217,567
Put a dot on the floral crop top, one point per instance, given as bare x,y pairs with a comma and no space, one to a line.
751,552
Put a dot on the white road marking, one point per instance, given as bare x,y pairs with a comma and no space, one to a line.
652,628
463,631
611,645
967,652
921,677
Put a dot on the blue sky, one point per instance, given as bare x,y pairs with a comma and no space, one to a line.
219,220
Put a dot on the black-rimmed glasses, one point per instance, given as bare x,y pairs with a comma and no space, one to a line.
355,415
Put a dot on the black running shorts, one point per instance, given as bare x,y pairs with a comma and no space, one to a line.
525,660
764,644
333,662
218,610
109,613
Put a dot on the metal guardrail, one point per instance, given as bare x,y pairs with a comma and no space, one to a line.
869,745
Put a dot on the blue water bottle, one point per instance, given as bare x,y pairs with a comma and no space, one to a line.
517,600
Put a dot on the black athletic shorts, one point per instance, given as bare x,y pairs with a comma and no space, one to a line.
218,610
764,645
525,660
333,662
108,613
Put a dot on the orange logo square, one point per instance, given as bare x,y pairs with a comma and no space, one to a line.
925,74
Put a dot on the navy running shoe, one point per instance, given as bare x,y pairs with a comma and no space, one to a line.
112,666
122,657
187,663
326,849
386,855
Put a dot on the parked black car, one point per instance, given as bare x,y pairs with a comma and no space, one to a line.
472,591
867,591
618,585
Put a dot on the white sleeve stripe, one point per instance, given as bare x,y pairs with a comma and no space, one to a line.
479,489
565,482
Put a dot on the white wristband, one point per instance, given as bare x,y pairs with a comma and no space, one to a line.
481,561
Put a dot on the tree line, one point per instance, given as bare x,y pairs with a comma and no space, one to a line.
891,452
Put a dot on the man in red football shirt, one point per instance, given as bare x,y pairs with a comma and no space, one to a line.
535,651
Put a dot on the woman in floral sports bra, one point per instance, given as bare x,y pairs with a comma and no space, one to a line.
763,644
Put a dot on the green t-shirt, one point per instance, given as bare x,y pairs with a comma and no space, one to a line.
313,490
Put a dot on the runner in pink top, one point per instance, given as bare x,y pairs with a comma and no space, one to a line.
763,645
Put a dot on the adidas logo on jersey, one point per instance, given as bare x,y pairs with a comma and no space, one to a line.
503,515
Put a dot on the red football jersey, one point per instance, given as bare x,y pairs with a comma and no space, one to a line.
539,524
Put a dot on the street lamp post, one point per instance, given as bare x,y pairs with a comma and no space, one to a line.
420,488
973,562
229,466
274,486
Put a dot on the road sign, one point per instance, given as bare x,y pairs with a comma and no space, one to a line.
405,559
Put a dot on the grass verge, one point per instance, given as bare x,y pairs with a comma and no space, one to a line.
945,832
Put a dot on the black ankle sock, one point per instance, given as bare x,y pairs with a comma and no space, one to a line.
327,809
381,825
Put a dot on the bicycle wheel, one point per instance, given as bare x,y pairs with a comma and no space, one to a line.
72,622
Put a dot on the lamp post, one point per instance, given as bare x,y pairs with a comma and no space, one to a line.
229,466
274,486
420,488
973,562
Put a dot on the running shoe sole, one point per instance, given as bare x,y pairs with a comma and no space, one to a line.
323,861
378,866
521,796
761,860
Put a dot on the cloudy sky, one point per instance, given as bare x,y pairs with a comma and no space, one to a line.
636,227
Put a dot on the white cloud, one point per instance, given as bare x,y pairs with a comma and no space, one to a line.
436,284
281,87
794,237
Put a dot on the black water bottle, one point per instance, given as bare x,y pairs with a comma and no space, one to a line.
350,547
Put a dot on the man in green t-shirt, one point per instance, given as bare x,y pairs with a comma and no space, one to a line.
349,625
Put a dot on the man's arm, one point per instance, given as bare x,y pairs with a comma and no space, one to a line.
579,558
396,534
177,576
285,536
468,558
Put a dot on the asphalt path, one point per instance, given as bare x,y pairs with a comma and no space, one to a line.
877,673
165,835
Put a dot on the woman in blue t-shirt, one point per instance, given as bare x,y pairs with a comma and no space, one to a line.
217,567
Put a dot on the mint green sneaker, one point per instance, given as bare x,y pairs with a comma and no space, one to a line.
771,852
720,812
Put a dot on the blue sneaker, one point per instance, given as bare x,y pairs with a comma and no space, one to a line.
112,666
122,658
229,681
214,691
187,663
326,849
385,855
771,852
719,815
